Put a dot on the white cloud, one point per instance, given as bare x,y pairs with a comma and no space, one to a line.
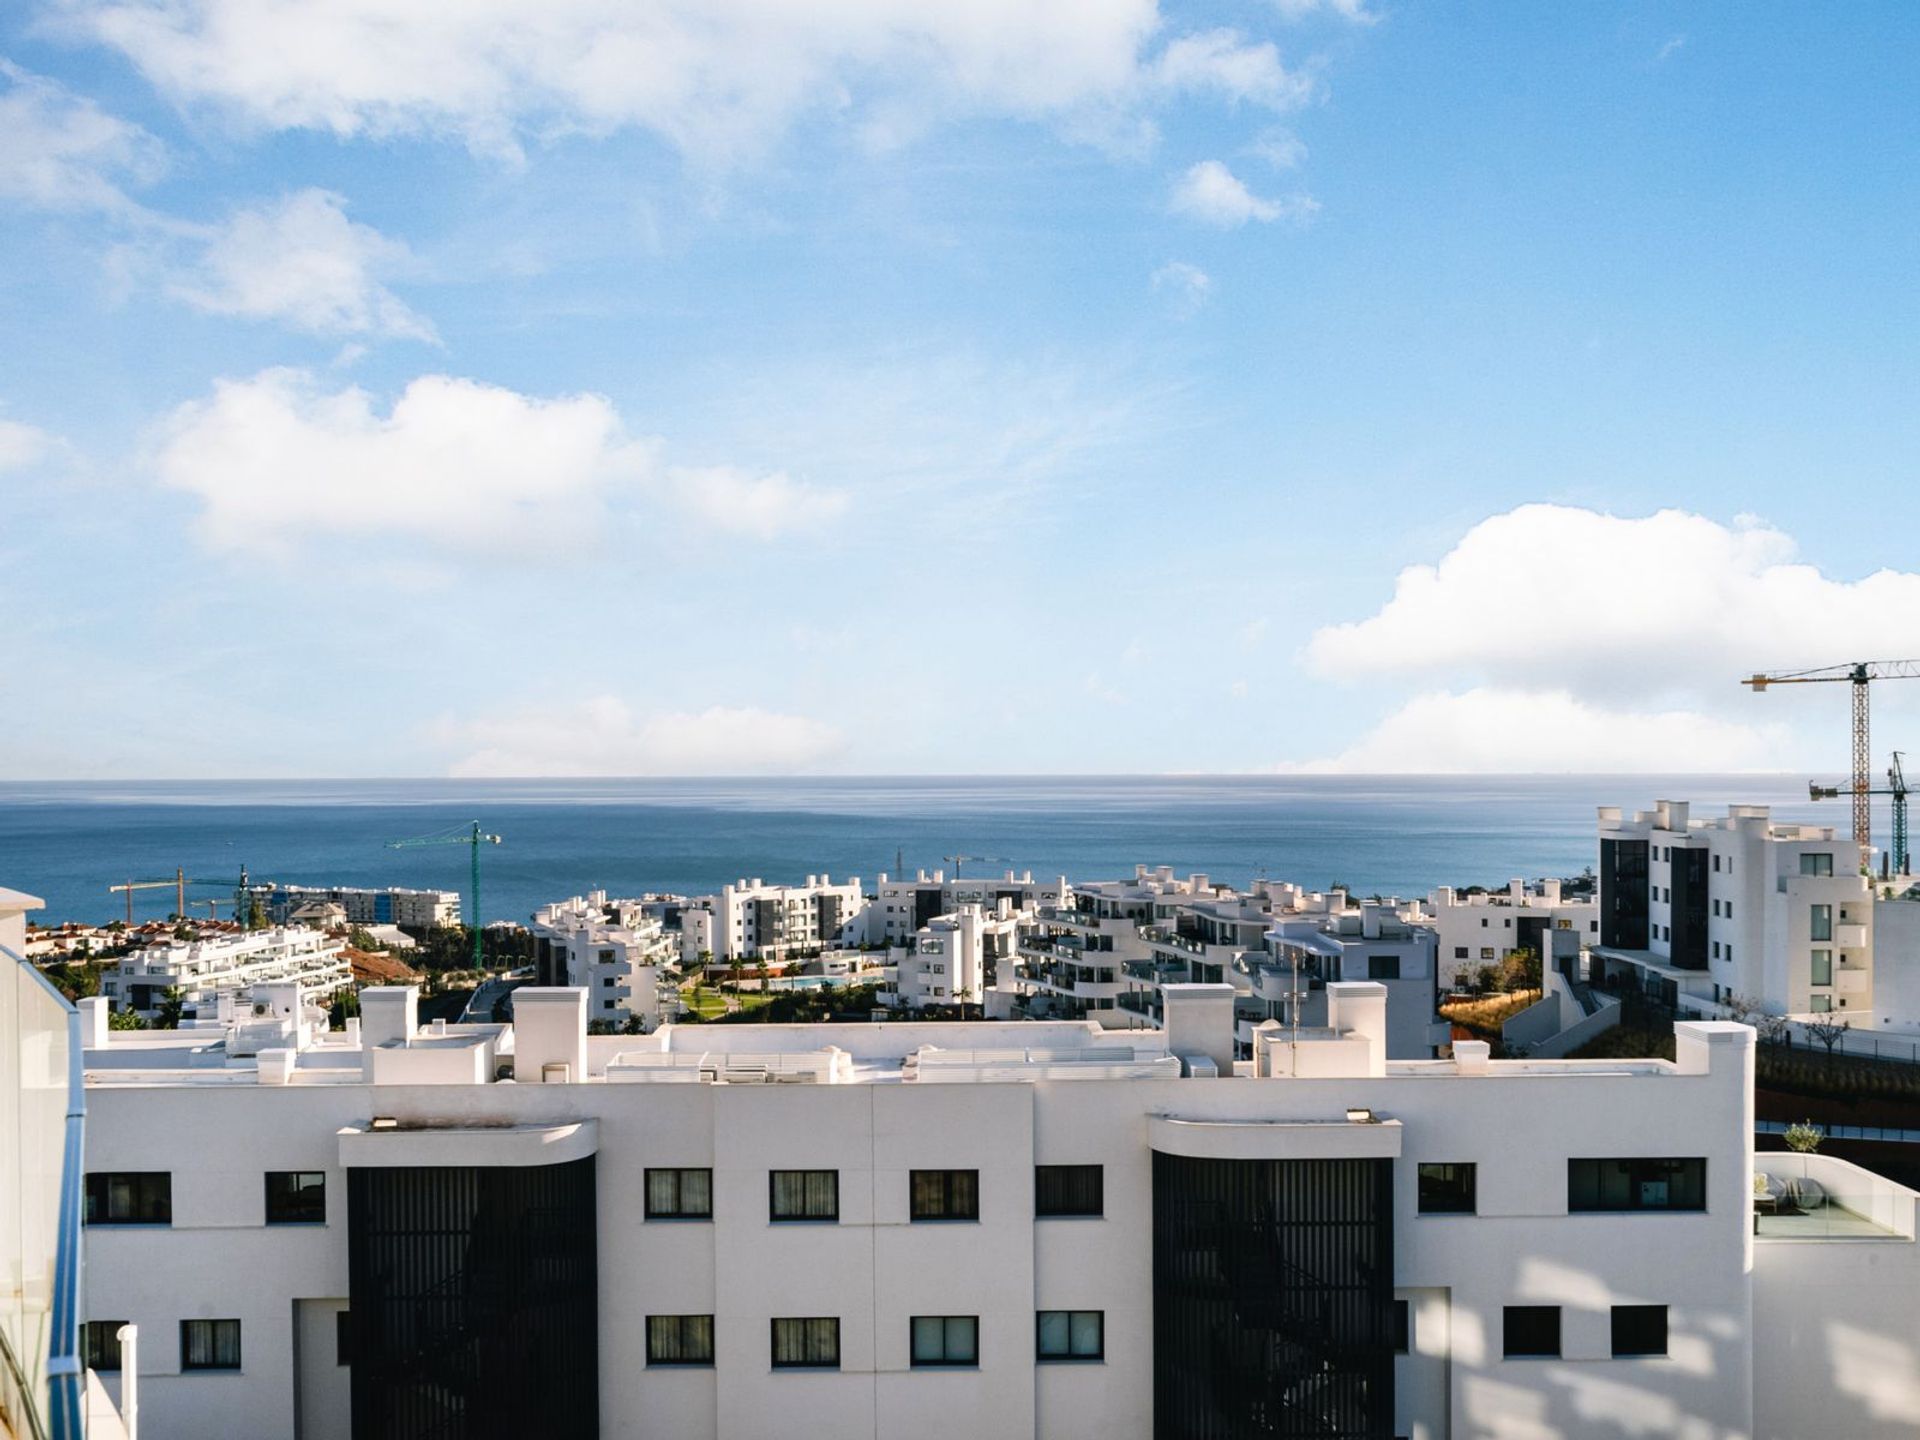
1224,61
1672,603
1212,193
1493,730
716,78
299,259
1188,286
1352,10
603,736
1669,49
763,506
22,445
62,152
1282,149
277,460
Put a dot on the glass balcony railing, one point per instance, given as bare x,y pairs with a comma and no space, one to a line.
42,1382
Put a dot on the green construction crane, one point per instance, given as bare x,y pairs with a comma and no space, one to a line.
473,836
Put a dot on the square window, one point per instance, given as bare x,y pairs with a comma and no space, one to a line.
945,1340
1459,952
100,1345
296,1197
679,1339
1383,967
1069,1190
209,1344
1639,1330
946,1194
1816,864
1447,1188
1072,1334
807,1344
1531,1331
1820,1004
675,1194
804,1195
130,1198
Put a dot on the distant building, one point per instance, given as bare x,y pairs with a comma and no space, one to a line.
229,965
955,959
752,920
1476,928
615,951
902,905
393,905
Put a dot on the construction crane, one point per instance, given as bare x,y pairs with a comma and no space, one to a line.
958,860
471,835
1860,674
179,884
1896,861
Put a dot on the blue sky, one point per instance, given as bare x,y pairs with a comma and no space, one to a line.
886,387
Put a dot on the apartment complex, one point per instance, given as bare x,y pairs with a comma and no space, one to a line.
752,920
362,905
954,959
902,906
230,965
1040,1230
1475,928
615,950
1693,912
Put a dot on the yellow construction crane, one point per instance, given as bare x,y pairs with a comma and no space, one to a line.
1860,674
178,884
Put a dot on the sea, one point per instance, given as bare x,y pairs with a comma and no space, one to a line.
68,841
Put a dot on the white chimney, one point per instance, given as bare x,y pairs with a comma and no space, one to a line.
95,1032
1200,1023
389,1015
549,1034
1359,1007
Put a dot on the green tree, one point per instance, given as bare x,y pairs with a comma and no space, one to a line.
173,1005
257,916
125,1020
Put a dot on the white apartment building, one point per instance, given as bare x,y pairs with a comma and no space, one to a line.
752,920
955,959
615,950
232,965
1476,928
1693,911
901,906
1307,953
363,905
977,1230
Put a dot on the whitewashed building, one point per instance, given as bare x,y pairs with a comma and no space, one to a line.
1485,927
363,905
1015,1230
752,920
615,950
954,959
902,905
230,965
1695,911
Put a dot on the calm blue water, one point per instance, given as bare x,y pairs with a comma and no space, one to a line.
68,841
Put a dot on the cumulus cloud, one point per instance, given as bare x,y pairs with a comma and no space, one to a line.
22,445
279,459
299,259
1554,595
63,152
713,77
1188,286
763,506
1213,194
1494,730
603,736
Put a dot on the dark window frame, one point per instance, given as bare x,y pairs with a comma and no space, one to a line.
943,1195
287,1197
151,1197
1516,1344
809,1364
679,1186
686,1351
1640,1171
100,1345
970,1360
1469,1170
188,1330
1063,1191
776,1216
1633,1330
1068,1356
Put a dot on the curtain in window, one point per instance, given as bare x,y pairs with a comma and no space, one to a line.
211,1345
806,1342
680,1339
812,1194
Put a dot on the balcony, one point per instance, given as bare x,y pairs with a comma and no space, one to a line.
1820,1197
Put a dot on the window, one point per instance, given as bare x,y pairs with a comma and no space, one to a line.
1822,967
682,1340
1531,1331
343,1337
1816,864
296,1197
100,1344
1072,1334
130,1198
679,1194
1069,1190
1716,954
1447,1189
1636,1185
1383,967
1402,1327
209,1344
804,1195
1820,922
1716,862
1486,952
945,1340
1459,952
812,1344
1820,1004
1639,1330
946,1194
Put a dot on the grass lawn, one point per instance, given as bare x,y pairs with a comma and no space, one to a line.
1490,1012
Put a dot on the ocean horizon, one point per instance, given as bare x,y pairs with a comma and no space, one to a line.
66,841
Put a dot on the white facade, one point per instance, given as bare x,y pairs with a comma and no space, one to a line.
616,951
230,965
363,905
902,905
953,959
752,920
1485,927
1695,911
876,1102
